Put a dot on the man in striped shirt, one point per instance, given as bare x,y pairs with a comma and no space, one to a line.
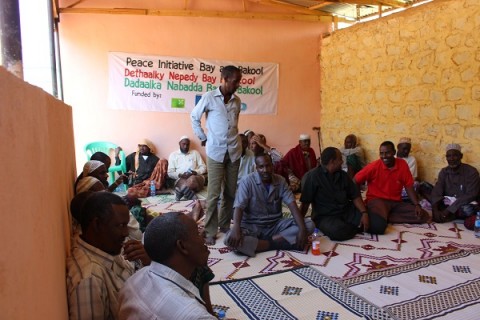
96,270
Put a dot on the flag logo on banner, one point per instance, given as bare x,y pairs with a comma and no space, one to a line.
175,84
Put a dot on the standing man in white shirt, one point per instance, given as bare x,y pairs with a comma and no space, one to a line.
187,168
222,109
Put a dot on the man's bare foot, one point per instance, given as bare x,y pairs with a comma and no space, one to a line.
197,211
210,241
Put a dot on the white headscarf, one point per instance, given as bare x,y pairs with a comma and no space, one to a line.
91,166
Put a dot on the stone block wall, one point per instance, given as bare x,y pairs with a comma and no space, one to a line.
414,73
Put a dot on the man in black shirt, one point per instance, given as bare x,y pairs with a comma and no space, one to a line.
337,206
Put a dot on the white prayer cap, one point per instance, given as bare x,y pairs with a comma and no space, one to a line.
91,166
405,140
183,138
304,136
453,146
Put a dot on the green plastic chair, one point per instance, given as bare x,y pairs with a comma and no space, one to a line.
106,147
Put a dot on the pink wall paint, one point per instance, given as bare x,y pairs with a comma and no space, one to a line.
38,170
87,39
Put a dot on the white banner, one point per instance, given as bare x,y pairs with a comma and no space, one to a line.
173,84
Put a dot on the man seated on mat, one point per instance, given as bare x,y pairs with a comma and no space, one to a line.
247,159
258,145
353,156
144,167
97,270
385,178
338,208
404,147
298,161
249,134
456,192
94,177
140,164
258,220
187,168
164,290
105,159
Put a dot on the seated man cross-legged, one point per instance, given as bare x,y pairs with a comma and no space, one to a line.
141,163
258,220
456,193
298,161
353,156
385,178
187,168
338,208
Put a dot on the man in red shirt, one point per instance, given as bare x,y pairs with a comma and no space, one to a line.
385,179
298,161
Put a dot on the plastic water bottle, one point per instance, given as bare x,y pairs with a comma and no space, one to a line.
221,314
477,225
153,189
316,242
120,188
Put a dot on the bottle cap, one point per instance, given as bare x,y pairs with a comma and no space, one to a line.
315,230
221,314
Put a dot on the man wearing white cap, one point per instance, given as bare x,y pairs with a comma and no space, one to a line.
353,156
187,168
299,160
457,186
404,147
93,178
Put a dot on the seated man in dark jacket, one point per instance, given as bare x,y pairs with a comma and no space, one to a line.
141,163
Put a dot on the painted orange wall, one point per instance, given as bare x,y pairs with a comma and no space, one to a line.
38,170
86,40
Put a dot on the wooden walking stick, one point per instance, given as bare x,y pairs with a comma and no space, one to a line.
319,135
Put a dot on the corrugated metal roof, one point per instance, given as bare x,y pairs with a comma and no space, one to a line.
344,12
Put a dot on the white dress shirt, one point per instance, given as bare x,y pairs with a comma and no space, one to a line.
179,163
221,123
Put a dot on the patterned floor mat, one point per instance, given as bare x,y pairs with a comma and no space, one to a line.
445,287
402,244
302,293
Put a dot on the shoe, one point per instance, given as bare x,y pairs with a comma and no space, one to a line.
178,194
189,194
441,217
